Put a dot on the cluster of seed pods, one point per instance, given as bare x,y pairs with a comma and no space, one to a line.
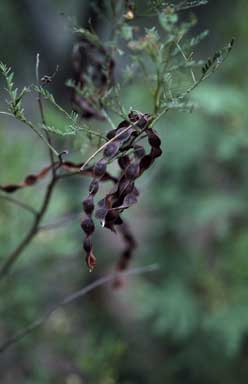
132,161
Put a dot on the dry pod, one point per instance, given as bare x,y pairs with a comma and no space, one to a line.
124,193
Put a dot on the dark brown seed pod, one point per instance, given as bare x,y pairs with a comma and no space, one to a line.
90,261
132,171
10,188
111,150
125,185
130,199
88,205
125,135
88,226
94,187
145,163
100,168
156,152
87,245
31,179
101,214
139,151
153,139
124,193
111,134
124,161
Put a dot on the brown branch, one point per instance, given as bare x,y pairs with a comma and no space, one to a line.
74,296
13,257
73,168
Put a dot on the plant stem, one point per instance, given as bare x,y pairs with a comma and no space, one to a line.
40,104
13,257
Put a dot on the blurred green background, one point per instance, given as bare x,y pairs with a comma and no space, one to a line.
186,323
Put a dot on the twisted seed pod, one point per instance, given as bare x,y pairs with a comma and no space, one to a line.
124,194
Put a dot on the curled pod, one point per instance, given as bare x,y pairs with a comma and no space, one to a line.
156,152
145,163
153,138
139,151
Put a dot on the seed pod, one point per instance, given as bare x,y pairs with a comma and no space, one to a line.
156,152
123,124
101,214
111,134
153,139
145,163
100,168
139,151
93,188
88,205
88,226
124,161
87,245
123,185
125,135
91,261
30,180
111,150
124,194
132,171
10,188
133,116
130,199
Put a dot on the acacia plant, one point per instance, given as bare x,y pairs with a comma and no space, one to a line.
162,56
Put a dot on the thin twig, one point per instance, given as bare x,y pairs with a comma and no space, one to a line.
40,104
108,118
6,113
74,296
13,257
30,125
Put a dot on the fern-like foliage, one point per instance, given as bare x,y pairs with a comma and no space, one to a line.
15,98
